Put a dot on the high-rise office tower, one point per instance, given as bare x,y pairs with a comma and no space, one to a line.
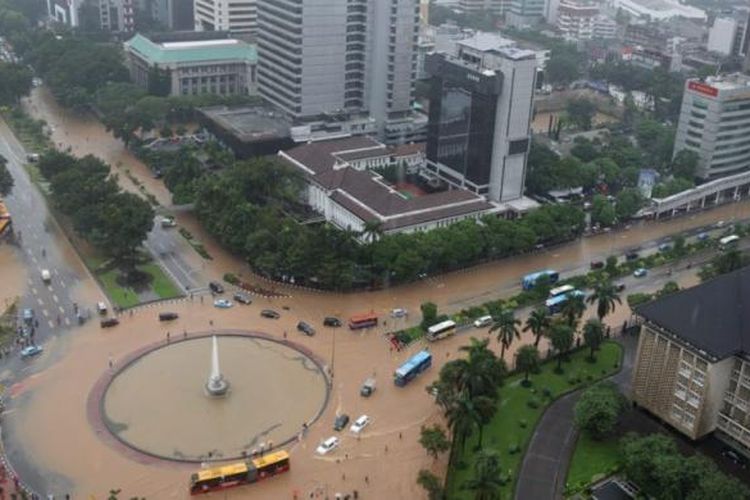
237,16
117,15
338,56
480,115
64,11
715,124
474,6
524,13
175,14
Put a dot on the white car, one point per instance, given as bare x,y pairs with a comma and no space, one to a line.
46,275
223,303
360,424
328,445
482,322
399,313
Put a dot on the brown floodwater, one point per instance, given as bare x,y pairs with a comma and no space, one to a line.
158,403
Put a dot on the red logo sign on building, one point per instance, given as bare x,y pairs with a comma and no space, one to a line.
703,88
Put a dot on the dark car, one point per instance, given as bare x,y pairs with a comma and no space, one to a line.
619,287
109,322
242,298
597,264
331,321
216,287
158,174
340,422
168,316
270,314
735,457
631,256
306,329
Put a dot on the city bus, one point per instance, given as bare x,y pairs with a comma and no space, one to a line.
728,241
560,290
365,320
529,281
556,303
413,367
239,473
441,330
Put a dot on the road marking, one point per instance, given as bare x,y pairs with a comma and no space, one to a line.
54,297
29,282
34,290
51,324
62,283
40,301
67,322
44,311
61,309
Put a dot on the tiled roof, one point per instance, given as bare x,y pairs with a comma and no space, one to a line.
319,156
197,51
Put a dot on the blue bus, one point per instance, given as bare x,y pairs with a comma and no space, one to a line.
529,280
413,367
556,303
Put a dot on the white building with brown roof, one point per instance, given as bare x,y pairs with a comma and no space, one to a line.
343,187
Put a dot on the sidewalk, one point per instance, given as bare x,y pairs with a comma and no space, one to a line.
545,465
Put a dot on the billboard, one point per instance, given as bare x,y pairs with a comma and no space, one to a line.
702,88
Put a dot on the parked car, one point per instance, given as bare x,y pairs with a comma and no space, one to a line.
631,255
735,457
28,315
327,446
665,247
223,303
482,321
31,350
158,174
216,287
702,236
168,221
367,388
306,328
32,157
619,287
242,298
46,275
101,308
399,313
340,422
359,424
640,272
109,322
270,314
596,264
168,316
331,321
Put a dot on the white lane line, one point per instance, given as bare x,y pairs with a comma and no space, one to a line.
51,324
33,259
34,290
62,283
45,312
61,309
40,301
67,322
54,297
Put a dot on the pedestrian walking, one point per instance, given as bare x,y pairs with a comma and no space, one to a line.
167,337
284,333
184,333
111,363
201,299
399,435
367,479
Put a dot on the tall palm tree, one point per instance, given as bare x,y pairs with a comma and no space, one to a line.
561,337
483,372
486,482
506,325
372,230
527,360
593,334
537,323
461,419
605,296
573,309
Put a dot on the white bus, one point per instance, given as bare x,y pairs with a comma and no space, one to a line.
728,241
560,290
441,330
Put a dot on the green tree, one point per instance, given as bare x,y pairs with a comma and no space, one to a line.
573,310
125,221
563,67
6,180
611,267
537,323
602,211
581,111
685,164
527,360
593,335
605,296
629,201
561,338
465,413
431,484
429,314
486,482
598,410
723,263
481,373
434,440
15,82
506,325
668,288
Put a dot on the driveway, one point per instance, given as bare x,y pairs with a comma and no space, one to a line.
545,465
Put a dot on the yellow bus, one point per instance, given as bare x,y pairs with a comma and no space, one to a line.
239,473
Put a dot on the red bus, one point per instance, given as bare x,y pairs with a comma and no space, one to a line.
365,320
239,474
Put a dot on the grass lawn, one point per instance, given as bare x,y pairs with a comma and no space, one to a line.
161,284
510,430
592,458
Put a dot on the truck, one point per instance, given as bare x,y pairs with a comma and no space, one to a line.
368,387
